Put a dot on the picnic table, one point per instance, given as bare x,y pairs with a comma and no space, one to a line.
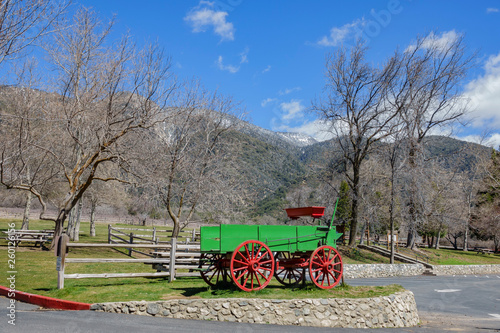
37,236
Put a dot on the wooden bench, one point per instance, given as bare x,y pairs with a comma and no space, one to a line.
483,250
37,236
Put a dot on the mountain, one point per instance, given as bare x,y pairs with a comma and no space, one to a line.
284,140
298,139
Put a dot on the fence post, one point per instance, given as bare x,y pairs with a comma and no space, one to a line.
131,241
194,235
61,250
154,234
173,247
109,233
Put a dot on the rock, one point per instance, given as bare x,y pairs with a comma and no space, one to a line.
153,308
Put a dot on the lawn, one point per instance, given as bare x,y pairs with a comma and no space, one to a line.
37,274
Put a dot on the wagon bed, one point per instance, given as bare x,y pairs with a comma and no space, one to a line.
249,255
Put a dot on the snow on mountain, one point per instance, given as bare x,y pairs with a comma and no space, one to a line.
287,138
298,139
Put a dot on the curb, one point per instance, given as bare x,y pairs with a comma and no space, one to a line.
43,301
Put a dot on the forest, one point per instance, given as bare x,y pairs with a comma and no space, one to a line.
90,123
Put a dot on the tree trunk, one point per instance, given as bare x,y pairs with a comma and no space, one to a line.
354,212
26,215
59,226
176,229
466,231
438,238
71,223
76,227
362,234
93,205
410,242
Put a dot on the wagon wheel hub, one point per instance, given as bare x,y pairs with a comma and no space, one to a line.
253,266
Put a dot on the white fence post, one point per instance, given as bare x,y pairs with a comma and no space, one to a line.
172,259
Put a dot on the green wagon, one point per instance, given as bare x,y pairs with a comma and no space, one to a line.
250,255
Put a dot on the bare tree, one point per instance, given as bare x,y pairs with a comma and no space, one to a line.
22,22
429,97
105,94
187,172
486,219
355,104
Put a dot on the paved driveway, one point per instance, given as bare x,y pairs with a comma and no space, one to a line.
465,304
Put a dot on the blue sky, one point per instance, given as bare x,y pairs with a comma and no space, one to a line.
270,54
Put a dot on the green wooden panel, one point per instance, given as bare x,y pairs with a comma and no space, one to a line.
279,237
309,237
210,239
227,237
233,235
333,235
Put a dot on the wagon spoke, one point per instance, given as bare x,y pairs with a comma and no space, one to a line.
263,255
257,277
266,262
240,262
258,251
317,263
333,276
316,270
212,276
240,268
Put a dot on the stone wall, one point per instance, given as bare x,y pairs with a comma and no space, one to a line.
466,269
352,271
397,310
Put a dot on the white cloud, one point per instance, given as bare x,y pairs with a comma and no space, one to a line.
446,39
267,69
339,35
232,68
267,101
244,55
289,91
437,41
203,17
492,140
229,68
292,110
492,10
484,95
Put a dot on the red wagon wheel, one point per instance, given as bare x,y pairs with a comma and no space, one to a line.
213,270
286,274
325,267
252,265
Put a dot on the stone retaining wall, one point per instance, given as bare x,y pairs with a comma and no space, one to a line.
466,269
352,271
397,310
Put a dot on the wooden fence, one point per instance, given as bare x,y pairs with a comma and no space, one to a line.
127,235
168,259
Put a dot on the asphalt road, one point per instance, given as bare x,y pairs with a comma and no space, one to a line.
465,304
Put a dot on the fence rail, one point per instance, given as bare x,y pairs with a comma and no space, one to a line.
167,259
117,235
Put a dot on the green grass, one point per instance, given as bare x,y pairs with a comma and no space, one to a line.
37,274
453,257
